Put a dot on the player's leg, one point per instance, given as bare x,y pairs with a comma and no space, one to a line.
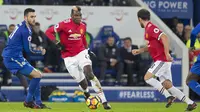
192,82
179,94
23,82
193,77
84,87
73,69
37,96
86,65
20,65
96,85
153,72
166,80
71,64
34,85
35,77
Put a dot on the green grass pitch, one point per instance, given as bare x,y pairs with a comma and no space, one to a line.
81,107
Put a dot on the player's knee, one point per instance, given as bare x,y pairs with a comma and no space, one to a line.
37,75
188,80
167,84
191,77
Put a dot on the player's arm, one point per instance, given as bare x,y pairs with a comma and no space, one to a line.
144,49
165,42
52,34
84,41
86,46
140,50
27,45
194,34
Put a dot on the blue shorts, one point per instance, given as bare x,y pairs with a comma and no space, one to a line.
15,65
195,69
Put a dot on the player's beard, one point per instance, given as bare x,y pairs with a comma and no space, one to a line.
141,25
31,23
77,21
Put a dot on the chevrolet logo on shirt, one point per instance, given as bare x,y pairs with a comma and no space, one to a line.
75,35
81,31
147,35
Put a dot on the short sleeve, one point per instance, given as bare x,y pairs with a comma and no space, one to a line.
58,27
155,32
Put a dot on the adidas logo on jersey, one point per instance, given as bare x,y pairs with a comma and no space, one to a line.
70,31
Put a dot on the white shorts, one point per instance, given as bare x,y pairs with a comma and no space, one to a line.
76,63
162,70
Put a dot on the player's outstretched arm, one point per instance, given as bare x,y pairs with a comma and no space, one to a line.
139,51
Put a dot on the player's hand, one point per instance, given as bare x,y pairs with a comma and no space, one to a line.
169,58
92,55
136,51
60,46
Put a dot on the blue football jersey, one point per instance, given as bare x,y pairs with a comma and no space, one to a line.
194,34
18,41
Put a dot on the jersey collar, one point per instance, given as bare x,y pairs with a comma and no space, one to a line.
147,25
74,23
29,27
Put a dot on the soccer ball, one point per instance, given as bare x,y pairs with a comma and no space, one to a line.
93,102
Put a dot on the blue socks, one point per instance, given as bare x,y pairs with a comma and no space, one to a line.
195,86
38,95
32,88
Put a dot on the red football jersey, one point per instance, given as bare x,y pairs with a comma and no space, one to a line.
72,37
155,45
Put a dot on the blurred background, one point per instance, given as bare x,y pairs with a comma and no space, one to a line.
112,32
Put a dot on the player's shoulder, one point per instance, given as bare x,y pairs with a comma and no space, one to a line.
66,21
152,27
83,24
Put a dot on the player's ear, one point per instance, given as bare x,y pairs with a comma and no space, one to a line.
25,17
139,19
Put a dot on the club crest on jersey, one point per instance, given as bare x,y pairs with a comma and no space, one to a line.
29,38
146,36
75,35
81,31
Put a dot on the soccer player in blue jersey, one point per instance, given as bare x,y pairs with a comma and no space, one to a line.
19,40
194,74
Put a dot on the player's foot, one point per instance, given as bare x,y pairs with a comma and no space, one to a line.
43,106
31,105
106,106
87,95
191,107
170,100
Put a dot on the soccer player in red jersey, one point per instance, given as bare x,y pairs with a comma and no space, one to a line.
158,47
74,51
